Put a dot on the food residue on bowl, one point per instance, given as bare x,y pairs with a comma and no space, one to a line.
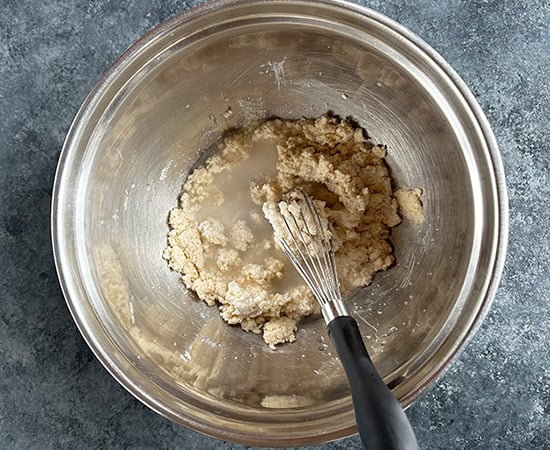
223,246
410,205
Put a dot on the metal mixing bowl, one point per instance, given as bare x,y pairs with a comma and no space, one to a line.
168,100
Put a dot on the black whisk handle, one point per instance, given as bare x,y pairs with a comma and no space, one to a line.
381,421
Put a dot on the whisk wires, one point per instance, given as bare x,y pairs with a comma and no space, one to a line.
310,248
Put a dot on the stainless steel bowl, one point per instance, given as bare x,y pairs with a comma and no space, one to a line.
169,99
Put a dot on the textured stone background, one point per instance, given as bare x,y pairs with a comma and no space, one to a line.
54,394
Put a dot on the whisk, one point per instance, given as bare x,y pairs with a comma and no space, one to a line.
306,239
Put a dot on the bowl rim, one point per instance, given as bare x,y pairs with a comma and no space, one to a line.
58,208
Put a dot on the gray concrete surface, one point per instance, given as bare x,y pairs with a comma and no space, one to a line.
55,395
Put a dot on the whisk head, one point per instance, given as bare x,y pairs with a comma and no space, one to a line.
305,237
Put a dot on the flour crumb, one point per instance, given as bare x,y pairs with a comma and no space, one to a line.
279,330
241,235
286,401
213,231
227,258
410,204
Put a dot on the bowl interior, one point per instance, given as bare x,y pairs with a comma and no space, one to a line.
163,108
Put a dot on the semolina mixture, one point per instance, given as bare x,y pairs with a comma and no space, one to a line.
223,247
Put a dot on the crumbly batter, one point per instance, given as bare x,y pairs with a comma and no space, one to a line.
223,246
